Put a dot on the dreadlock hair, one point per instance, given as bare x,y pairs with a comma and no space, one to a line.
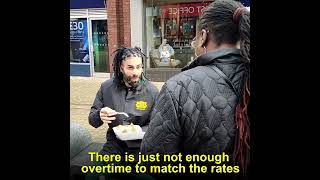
229,22
120,55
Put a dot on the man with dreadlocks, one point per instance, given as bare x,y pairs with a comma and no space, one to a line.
128,91
203,109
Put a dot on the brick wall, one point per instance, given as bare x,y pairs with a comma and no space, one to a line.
118,26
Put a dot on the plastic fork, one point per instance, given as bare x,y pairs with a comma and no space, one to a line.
123,113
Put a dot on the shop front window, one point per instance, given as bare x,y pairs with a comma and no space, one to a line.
79,47
171,28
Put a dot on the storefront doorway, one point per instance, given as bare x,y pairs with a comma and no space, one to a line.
99,50
89,43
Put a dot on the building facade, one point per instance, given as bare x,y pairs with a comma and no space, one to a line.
163,29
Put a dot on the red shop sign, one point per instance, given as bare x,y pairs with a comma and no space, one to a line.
186,10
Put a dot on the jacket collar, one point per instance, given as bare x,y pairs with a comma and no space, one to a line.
226,55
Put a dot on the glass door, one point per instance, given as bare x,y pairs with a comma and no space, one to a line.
100,52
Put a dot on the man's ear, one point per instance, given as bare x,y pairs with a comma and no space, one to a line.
203,37
121,68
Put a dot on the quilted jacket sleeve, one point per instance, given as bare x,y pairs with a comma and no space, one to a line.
164,132
146,126
155,95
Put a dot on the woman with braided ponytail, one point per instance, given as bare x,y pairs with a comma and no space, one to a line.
203,109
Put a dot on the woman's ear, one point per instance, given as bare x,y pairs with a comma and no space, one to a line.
204,37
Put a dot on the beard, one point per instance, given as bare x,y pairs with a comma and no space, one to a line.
130,82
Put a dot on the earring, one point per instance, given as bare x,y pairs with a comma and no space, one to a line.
205,49
195,52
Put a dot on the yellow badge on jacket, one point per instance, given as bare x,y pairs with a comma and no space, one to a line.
141,105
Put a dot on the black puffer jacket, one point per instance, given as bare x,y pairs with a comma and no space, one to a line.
195,110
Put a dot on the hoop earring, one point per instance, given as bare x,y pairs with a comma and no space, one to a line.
195,53
205,49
